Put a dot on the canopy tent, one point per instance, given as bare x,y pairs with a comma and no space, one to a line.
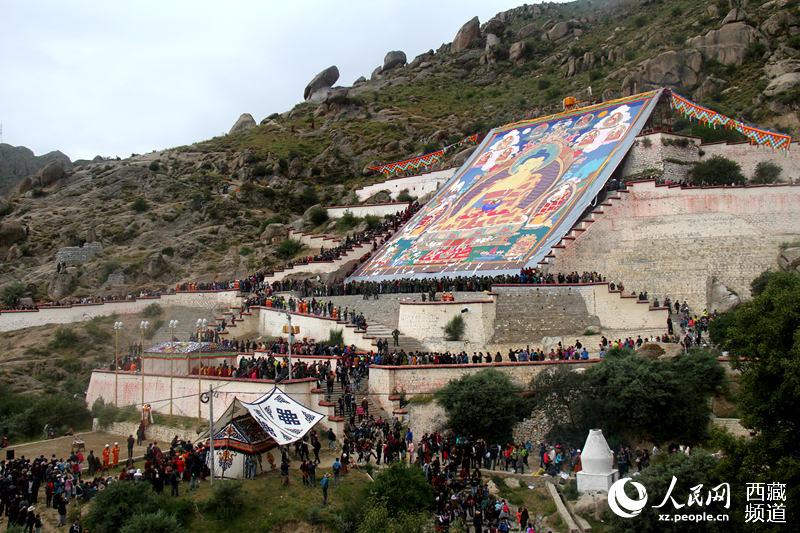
239,440
244,431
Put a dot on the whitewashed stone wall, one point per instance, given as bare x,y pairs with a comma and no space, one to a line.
361,211
670,241
659,151
651,152
185,391
425,321
416,186
271,322
748,156
14,320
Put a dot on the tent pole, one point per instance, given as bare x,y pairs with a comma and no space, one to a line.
211,429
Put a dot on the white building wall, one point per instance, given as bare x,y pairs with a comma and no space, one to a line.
416,186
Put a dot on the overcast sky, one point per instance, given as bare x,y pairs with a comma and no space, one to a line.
112,78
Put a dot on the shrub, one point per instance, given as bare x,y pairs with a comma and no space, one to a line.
154,166
401,489
245,250
152,310
372,221
454,329
767,172
169,251
260,170
12,292
140,205
226,501
158,522
288,248
542,84
113,507
318,215
404,196
347,222
336,337
498,397
63,339
717,171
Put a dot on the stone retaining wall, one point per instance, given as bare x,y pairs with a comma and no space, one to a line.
14,320
670,241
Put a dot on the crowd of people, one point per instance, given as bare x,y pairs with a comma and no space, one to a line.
256,281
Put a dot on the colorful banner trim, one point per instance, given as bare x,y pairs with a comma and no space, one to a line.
777,141
425,160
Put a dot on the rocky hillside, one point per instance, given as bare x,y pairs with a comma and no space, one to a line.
200,211
19,162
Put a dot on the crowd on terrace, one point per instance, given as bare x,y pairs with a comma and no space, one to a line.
373,237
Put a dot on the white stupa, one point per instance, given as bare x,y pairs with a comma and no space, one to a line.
597,460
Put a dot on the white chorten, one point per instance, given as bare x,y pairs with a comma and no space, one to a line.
597,460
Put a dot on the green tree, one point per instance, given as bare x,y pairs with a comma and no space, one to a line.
717,171
454,329
671,398
763,335
113,507
485,405
401,489
140,205
288,248
12,292
766,172
318,215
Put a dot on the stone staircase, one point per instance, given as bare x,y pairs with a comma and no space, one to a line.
329,405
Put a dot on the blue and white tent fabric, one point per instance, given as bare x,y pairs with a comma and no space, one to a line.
282,417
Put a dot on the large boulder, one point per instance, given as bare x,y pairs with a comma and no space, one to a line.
495,49
50,173
468,36
5,207
323,80
61,285
156,266
393,59
11,232
518,52
243,123
274,233
527,31
789,259
562,29
675,68
783,83
736,14
778,22
720,298
495,26
727,45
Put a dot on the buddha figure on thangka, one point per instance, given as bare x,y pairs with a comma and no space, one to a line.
510,197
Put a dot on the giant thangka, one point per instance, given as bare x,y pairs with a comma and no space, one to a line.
517,196
283,418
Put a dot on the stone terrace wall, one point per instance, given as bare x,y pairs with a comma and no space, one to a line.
378,210
426,321
415,185
748,156
14,320
527,313
185,390
671,240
